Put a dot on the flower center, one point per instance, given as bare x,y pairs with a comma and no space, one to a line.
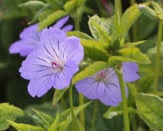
56,66
101,76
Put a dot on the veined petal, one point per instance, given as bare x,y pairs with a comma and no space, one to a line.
111,95
38,87
74,50
130,70
31,33
88,87
63,79
53,35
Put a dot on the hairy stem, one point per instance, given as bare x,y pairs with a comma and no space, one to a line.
124,101
94,116
157,63
71,106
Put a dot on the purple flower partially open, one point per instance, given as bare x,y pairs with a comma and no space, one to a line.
53,63
30,37
104,85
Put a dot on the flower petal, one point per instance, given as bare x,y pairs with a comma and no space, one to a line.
38,87
61,22
112,94
24,47
74,50
30,32
63,79
130,70
88,87
67,28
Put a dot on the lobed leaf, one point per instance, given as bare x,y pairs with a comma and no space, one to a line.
150,108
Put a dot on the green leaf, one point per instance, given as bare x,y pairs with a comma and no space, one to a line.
90,70
136,43
32,4
128,19
79,34
134,54
51,19
41,118
147,11
116,111
99,28
158,10
150,108
25,127
8,112
92,47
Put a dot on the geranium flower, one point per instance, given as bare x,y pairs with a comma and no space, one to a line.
104,85
30,37
53,63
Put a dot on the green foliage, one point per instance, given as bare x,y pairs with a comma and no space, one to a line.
51,19
79,34
100,29
40,118
64,119
8,112
92,47
150,108
147,11
32,4
116,111
130,54
90,70
25,127
128,19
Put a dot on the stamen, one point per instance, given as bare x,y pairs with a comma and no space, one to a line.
56,66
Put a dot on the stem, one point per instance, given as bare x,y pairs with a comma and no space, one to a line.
157,63
118,13
118,7
82,114
124,101
94,116
71,106
77,23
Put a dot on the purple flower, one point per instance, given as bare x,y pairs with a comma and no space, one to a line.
53,63
30,37
104,85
